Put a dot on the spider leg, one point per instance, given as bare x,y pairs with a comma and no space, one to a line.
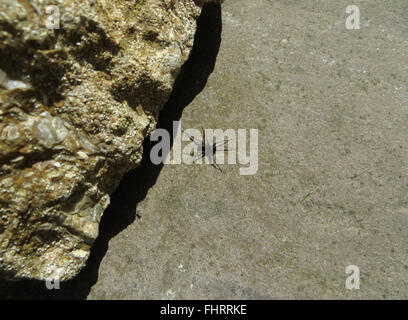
194,150
198,158
204,139
219,144
216,166
195,141
224,143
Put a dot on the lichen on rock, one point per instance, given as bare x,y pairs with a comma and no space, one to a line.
75,106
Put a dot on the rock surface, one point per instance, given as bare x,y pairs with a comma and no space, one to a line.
75,106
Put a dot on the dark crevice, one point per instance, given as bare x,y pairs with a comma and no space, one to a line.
135,184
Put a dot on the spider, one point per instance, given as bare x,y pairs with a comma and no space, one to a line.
208,150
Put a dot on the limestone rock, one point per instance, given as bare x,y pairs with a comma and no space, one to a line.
75,106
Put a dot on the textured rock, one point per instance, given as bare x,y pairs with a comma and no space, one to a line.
75,106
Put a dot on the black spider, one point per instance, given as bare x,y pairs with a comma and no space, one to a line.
208,150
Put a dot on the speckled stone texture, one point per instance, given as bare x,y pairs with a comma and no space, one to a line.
75,106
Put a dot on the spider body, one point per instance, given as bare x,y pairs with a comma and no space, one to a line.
206,150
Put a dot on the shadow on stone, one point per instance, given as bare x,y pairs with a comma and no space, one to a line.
135,184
